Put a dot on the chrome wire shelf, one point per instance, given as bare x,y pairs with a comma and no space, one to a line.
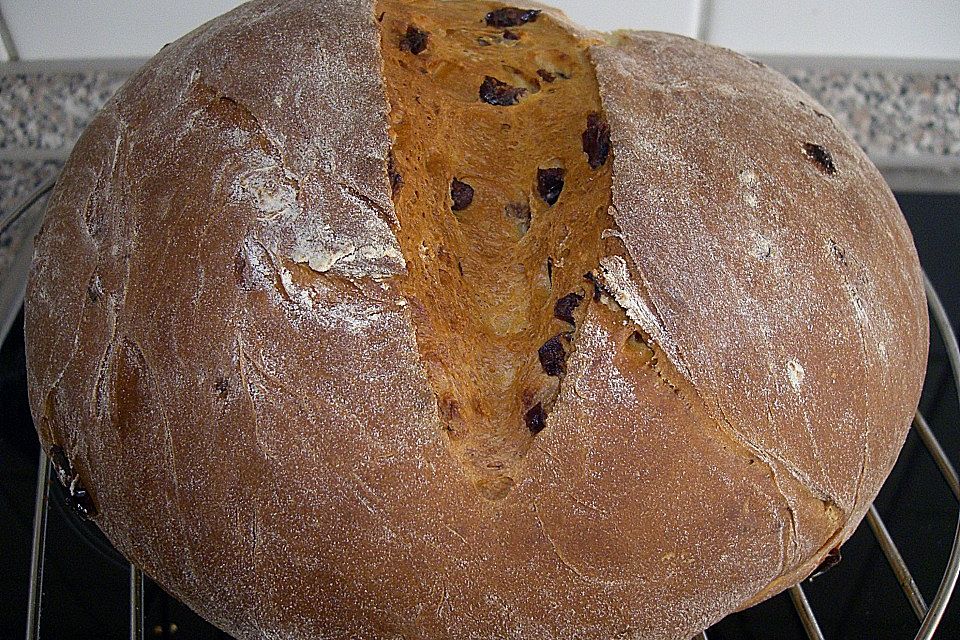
928,616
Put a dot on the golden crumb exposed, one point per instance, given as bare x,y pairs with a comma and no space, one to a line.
501,175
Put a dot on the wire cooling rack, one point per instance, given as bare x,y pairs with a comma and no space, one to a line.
928,615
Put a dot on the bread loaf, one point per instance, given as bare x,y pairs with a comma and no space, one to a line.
453,320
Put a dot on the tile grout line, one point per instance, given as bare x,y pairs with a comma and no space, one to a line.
75,65
31,154
11,48
865,64
703,16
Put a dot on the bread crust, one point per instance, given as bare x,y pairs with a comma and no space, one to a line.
790,297
216,338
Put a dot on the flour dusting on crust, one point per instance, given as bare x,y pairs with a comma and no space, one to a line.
790,346
216,338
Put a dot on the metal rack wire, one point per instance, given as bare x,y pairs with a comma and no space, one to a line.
928,616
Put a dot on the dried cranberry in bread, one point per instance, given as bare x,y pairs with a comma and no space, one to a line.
450,319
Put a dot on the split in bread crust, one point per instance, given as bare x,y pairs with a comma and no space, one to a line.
501,183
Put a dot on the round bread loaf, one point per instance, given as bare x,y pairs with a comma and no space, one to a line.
452,320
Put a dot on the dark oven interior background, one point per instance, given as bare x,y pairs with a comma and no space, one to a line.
86,583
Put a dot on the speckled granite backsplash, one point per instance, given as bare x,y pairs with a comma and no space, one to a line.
891,114
41,116
50,111
902,119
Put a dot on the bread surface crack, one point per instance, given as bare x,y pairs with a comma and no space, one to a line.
500,177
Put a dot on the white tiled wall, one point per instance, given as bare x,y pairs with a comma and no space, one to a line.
51,29
3,51
888,28
666,15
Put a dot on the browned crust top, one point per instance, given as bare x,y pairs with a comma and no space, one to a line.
269,451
